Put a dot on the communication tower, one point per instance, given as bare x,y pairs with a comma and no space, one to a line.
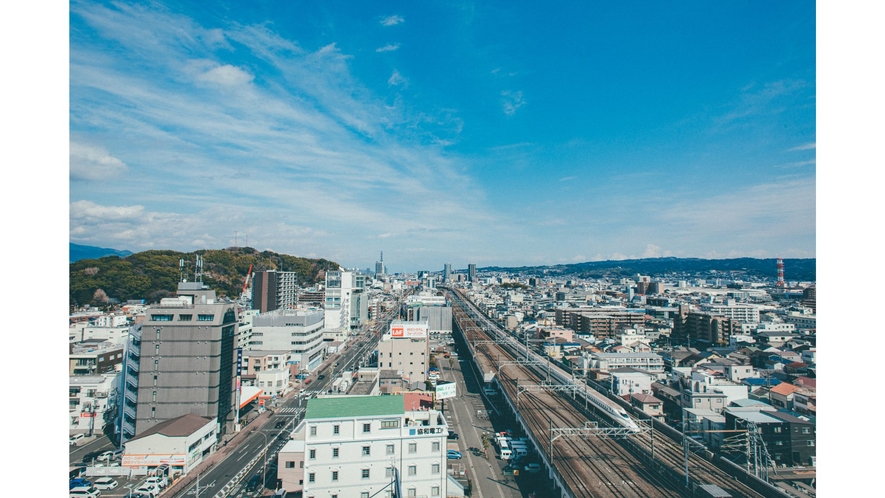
780,274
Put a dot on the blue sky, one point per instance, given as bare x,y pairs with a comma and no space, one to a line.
495,133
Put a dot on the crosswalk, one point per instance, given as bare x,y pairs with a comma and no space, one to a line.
289,409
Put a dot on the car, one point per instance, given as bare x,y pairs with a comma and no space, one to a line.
454,436
105,483
105,456
159,482
85,492
79,482
453,455
75,438
532,468
149,489
279,424
321,377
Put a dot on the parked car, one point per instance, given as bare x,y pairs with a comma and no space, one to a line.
79,482
75,438
151,490
159,482
105,456
453,435
453,455
532,468
85,492
105,483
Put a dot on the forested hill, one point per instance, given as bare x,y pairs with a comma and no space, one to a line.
152,275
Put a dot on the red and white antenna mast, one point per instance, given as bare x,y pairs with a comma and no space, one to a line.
780,274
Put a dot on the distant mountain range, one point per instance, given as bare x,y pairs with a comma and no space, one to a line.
747,269
79,252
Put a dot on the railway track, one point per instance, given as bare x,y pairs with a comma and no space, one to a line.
594,467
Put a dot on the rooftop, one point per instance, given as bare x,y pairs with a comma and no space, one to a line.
182,426
354,406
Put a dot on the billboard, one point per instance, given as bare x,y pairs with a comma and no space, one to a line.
408,330
446,390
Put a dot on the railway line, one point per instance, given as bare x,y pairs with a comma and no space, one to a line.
586,462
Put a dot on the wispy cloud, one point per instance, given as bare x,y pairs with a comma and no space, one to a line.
765,100
397,79
390,47
392,20
568,178
810,146
798,164
512,101
93,163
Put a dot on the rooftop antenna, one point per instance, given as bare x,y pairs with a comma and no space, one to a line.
182,270
198,273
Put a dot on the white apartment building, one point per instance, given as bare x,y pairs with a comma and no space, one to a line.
650,362
366,446
298,331
744,313
802,321
182,443
93,401
406,349
339,288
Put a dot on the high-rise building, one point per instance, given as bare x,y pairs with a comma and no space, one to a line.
339,290
181,359
368,446
471,272
379,266
274,290
447,272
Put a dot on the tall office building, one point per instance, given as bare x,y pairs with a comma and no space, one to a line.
471,272
181,359
274,290
379,266
447,272
339,289
405,348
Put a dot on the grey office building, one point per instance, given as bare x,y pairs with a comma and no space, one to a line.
274,290
471,272
182,359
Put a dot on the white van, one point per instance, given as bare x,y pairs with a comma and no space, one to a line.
85,492
504,452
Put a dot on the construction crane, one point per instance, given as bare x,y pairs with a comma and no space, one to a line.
246,282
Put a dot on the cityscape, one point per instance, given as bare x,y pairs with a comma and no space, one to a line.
445,383
391,250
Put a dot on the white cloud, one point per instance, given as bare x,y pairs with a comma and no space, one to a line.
388,48
93,163
512,101
397,79
392,20
226,75
88,210
808,146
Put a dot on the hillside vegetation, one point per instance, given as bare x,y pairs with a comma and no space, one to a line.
153,275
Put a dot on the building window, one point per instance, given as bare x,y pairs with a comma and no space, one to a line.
777,430
390,449
367,450
389,424
313,430
161,318
435,446
157,349
334,475
365,473
806,430
156,364
311,477
388,472
155,381
367,427
810,442
412,493
364,494
336,429
434,469
290,465
413,470
434,491
205,318
413,447
185,318
334,452
313,453
154,396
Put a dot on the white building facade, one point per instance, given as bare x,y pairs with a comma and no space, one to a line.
368,446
